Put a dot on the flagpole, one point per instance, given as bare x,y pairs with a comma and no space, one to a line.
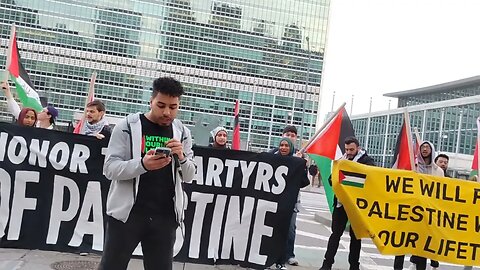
330,118
409,139
89,98
478,147
91,86
9,51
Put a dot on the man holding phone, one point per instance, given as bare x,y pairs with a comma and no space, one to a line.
145,203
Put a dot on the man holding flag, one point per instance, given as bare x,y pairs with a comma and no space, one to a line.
96,124
353,152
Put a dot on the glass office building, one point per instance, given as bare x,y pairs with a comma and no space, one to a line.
267,54
443,114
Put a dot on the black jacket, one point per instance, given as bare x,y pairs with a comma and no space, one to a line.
107,132
365,159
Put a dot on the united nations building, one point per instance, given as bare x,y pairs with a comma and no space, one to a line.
267,54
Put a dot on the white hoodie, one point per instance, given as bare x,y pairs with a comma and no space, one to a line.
431,168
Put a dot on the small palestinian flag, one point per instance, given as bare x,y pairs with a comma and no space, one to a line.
352,179
24,86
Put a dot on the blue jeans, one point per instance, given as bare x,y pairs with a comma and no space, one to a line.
291,237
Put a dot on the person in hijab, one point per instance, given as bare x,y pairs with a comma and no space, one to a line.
285,148
27,117
219,135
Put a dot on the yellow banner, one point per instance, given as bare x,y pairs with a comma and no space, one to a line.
405,212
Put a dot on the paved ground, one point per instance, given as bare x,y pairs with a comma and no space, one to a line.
20,259
313,230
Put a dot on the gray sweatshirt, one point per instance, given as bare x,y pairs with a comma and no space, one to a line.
123,167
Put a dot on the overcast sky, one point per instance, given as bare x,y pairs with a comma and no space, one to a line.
381,46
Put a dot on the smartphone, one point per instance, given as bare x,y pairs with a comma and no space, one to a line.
163,151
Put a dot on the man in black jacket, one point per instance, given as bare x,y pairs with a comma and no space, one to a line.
353,152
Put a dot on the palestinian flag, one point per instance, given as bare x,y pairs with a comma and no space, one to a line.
329,145
476,159
403,156
352,179
236,128
25,90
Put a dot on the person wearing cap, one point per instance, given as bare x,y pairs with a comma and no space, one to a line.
219,135
45,118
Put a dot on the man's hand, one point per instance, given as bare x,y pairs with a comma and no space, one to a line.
177,148
99,136
154,162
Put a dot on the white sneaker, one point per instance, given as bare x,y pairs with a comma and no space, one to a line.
293,261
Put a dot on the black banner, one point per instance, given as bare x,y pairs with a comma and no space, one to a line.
53,194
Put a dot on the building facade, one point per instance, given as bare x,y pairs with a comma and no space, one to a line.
443,114
268,54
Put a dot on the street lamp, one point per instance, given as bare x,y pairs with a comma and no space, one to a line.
305,94
444,136
289,116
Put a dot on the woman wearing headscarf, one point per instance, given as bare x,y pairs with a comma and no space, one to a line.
27,117
219,135
286,148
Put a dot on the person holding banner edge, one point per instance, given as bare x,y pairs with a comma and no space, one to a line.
287,148
145,202
353,152
290,132
424,164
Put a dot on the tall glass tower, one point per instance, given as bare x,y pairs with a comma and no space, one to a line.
260,52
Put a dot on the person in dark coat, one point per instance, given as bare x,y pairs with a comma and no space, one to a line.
353,152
